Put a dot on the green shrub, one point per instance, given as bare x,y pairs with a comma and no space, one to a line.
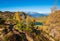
1,21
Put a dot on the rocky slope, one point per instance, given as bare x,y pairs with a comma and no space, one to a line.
8,31
53,22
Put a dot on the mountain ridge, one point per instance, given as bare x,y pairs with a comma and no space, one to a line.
35,14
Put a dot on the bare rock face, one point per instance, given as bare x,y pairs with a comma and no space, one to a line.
54,24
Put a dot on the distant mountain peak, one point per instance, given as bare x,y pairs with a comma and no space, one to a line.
36,14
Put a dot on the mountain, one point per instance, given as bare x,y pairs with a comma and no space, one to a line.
35,14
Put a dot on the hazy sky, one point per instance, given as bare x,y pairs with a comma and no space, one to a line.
41,6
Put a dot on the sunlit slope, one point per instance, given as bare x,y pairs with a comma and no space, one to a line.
23,23
53,22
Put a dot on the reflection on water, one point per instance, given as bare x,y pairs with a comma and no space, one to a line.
38,23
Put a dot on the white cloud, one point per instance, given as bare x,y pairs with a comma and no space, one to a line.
39,9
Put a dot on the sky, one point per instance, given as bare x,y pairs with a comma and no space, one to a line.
41,6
